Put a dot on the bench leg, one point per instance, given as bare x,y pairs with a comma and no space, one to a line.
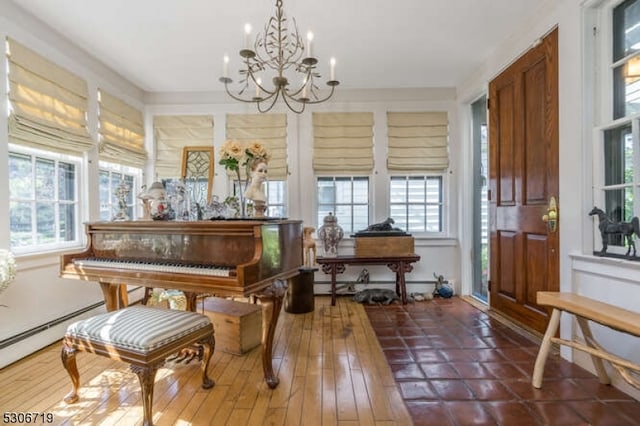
208,346
590,341
545,347
147,376
68,356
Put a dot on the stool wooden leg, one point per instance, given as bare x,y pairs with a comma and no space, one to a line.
545,346
68,356
147,376
208,347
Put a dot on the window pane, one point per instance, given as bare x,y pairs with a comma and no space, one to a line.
434,218
398,190
67,221
20,176
626,90
361,190
343,191
20,213
626,37
128,180
326,191
421,210
360,218
45,218
416,221
66,182
434,190
416,189
45,178
618,156
343,215
399,214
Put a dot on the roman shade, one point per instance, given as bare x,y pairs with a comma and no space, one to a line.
418,141
175,132
48,104
121,132
268,129
343,142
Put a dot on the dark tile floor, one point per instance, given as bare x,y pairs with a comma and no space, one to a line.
456,365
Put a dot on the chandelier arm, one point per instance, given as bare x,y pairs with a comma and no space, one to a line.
262,88
238,98
259,103
292,107
318,101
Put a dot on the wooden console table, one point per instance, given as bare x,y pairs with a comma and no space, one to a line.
398,264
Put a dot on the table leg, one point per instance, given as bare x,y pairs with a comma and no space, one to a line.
332,269
400,268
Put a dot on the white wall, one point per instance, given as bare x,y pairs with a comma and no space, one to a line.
613,281
37,296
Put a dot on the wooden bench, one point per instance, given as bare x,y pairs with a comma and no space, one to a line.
585,309
141,336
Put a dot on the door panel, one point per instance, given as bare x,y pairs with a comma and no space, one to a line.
523,134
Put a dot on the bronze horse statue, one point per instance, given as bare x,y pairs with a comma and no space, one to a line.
608,227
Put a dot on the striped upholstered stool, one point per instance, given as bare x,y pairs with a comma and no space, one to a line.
141,336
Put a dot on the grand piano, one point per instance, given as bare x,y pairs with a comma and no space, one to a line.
243,258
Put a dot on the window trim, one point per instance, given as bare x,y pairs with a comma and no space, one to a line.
445,206
369,203
604,63
79,184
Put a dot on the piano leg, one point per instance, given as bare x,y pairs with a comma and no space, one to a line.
112,295
271,300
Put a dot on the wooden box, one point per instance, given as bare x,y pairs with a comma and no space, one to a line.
237,325
384,246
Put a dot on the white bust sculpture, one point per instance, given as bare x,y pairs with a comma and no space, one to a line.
255,190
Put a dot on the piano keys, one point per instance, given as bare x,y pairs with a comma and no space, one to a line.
241,258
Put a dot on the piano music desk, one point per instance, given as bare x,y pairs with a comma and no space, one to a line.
398,264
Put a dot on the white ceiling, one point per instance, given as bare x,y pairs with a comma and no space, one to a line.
178,45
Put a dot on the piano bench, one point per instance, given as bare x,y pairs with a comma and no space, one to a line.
141,336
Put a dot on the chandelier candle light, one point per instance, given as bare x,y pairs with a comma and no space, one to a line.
278,51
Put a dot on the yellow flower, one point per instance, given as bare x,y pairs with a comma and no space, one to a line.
231,150
257,150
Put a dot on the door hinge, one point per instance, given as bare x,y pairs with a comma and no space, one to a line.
488,103
488,195
489,286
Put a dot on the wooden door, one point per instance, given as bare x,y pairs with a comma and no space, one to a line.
523,172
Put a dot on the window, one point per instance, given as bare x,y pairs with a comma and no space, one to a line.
110,177
43,197
347,198
618,142
416,203
276,193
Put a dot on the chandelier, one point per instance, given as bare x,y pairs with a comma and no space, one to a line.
276,54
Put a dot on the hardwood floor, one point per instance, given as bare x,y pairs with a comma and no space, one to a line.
331,367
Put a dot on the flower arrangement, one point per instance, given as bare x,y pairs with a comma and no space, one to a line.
7,269
236,157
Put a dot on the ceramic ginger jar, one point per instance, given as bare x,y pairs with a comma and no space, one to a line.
331,234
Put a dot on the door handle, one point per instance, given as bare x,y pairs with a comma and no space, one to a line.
551,217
